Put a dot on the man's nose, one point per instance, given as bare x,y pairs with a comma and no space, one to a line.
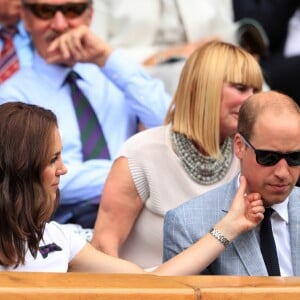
59,22
282,169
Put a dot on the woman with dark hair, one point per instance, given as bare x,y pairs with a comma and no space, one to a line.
30,170
28,134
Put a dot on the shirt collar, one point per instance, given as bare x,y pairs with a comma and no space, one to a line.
282,210
21,29
55,74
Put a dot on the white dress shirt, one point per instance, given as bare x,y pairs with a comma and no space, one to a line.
279,221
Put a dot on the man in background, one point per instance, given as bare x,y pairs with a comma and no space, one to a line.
81,78
15,43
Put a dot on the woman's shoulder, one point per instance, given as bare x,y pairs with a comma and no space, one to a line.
146,140
60,231
54,229
156,132
63,234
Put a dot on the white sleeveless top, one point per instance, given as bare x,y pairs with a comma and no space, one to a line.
162,184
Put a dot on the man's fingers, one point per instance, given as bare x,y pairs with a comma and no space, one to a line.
53,46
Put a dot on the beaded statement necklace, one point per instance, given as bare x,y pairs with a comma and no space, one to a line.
202,169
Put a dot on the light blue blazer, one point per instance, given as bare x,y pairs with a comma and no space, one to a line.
185,224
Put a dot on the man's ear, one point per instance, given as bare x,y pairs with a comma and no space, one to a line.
239,145
24,18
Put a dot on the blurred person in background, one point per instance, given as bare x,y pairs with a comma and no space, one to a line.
15,43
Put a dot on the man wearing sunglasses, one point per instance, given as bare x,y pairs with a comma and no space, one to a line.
120,92
268,147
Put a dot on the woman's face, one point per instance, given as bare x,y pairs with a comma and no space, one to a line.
55,168
232,97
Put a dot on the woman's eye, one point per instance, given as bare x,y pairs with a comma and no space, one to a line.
54,159
241,87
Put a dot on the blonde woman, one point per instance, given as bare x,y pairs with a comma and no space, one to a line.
159,169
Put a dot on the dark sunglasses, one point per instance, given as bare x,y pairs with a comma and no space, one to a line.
47,11
270,158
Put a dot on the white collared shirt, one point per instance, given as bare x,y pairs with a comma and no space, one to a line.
280,221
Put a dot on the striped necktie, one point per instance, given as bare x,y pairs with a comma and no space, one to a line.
9,62
92,138
267,244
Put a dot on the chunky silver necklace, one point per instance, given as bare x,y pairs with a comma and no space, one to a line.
202,169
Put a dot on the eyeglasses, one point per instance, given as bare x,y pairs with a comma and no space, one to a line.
270,158
47,11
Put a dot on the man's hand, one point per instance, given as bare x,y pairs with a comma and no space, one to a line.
78,45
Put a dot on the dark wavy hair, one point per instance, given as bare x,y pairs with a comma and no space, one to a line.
26,141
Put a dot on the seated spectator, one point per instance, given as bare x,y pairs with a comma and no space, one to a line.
30,169
280,70
98,96
161,34
292,44
160,168
268,147
15,43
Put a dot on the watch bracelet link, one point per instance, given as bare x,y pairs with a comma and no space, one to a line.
220,237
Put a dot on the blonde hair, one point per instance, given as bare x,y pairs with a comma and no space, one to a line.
195,109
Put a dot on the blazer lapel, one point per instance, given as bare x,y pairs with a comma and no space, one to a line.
246,245
248,249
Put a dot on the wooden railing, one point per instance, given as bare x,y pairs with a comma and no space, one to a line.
244,287
75,286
